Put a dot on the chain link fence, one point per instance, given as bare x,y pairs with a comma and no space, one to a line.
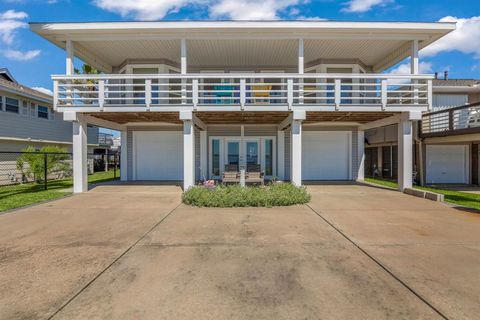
46,170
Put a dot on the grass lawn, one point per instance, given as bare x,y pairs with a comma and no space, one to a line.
469,200
23,195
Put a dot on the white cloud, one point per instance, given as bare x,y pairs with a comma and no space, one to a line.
21,55
360,6
13,15
404,68
466,38
250,9
217,9
44,90
10,22
144,9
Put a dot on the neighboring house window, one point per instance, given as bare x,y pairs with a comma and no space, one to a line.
42,112
11,105
1,103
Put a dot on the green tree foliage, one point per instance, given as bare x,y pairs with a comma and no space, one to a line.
32,162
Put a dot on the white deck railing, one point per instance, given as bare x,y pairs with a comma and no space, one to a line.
121,92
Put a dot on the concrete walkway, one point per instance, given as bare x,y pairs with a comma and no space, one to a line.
133,252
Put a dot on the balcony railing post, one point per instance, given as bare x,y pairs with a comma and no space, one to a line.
429,94
195,92
338,93
451,125
415,92
290,92
101,93
55,94
383,92
301,91
184,91
148,93
243,92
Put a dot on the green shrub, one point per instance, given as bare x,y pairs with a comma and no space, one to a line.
278,194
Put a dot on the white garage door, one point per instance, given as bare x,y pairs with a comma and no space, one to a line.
158,155
326,155
447,164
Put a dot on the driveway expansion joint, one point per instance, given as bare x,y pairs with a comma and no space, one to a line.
378,263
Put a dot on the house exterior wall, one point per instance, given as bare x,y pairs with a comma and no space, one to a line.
26,128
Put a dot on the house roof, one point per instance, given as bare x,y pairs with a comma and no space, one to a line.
24,91
106,45
456,85
5,74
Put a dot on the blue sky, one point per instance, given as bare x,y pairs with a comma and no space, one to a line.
32,60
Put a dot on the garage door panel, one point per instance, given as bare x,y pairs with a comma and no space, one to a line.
326,155
158,155
447,164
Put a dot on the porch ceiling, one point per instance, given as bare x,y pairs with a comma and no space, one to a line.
240,117
243,44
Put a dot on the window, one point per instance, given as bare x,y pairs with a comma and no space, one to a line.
42,112
11,105
1,103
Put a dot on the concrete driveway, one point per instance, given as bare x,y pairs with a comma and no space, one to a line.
133,252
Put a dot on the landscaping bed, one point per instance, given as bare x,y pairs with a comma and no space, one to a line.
272,195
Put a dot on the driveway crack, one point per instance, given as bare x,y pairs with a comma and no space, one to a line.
112,263
380,264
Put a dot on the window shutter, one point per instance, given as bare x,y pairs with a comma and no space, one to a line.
51,114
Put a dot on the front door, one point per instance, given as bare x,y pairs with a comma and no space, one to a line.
240,154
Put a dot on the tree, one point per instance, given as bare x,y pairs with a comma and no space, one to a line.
88,84
32,162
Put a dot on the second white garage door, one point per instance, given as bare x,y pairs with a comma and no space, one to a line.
158,155
326,155
447,164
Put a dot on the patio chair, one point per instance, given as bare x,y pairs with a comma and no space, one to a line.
254,174
231,174
261,93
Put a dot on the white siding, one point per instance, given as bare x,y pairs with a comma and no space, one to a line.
446,101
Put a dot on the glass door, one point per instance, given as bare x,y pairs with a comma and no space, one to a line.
252,154
232,158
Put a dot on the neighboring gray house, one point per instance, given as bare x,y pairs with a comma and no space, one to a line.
28,119
446,145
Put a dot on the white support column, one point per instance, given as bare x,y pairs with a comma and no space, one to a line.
414,58
188,149
296,145
69,48
414,68
203,155
80,173
281,155
361,155
301,64
183,68
405,161
183,56
301,69
123,156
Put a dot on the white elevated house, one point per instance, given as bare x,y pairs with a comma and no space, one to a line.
191,97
